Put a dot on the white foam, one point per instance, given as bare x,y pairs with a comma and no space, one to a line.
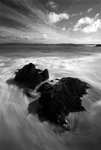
57,66
22,131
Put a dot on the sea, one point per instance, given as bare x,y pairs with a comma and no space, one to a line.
22,131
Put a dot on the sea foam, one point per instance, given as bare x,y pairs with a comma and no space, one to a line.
18,130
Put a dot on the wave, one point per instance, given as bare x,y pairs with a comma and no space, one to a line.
21,131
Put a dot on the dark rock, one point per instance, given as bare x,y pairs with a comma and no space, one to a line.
45,75
58,100
30,77
75,86
44,87
98,45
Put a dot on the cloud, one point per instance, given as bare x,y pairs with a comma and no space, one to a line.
44,36
89,10
21,14
53,17
73,15
30,24
88,40
93,27
52,5
82,21
81,13
97,15
93,24
63,29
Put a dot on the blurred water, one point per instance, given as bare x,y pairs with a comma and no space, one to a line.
20,131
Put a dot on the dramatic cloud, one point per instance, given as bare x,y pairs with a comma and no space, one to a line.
93,27
21,14
52,5
92,24
53,17
48,21
85,20
31,24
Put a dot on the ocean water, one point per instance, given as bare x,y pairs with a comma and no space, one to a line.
20,131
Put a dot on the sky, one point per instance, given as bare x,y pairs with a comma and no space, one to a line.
50,21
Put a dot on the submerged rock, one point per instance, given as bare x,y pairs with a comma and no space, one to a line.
30,77
58,100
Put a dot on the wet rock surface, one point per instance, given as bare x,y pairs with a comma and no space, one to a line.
60,99
57,99
30,77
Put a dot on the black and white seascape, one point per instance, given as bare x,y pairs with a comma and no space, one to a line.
50,74
20,130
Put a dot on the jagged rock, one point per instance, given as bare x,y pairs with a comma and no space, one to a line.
58,100
30,77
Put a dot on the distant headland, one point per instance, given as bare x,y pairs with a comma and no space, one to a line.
61,44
